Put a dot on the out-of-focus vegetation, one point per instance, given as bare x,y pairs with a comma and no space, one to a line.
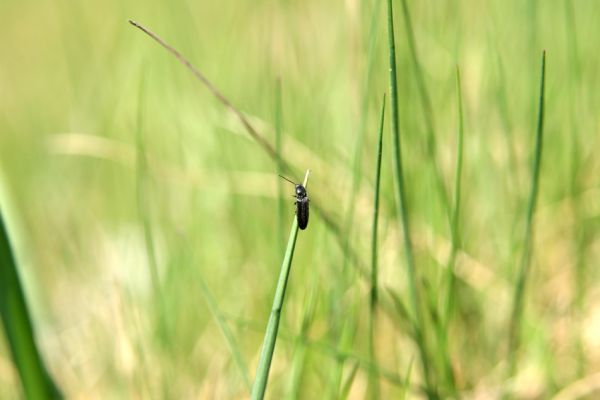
145,219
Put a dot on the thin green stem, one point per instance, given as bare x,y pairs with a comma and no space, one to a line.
519,295
264,363
401,203
373,383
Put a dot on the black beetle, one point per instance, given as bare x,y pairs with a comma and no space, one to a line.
301,204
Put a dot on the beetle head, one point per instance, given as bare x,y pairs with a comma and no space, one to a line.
300,191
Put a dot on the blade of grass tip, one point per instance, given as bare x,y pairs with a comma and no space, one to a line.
264,363
226,332
280,171
519,295
326,217
35,379
373,382
401,201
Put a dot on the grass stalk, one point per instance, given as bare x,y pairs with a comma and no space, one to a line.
373,382
35,379
264,363
401,203
519,295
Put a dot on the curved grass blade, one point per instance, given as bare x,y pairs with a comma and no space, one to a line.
36,381
401,202
266,355
519,295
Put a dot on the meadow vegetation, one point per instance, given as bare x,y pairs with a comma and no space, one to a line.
147,222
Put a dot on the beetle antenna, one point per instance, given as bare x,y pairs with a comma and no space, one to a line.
293,183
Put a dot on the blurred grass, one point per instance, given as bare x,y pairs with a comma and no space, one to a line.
16,322
68,127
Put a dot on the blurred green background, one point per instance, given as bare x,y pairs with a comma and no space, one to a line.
115,162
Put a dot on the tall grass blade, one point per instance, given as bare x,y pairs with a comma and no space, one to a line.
519,295
36,381
373,382
401,201
264,363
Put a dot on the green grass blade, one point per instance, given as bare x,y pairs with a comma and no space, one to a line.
401,200
373,382
264,363
519,295
36,382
